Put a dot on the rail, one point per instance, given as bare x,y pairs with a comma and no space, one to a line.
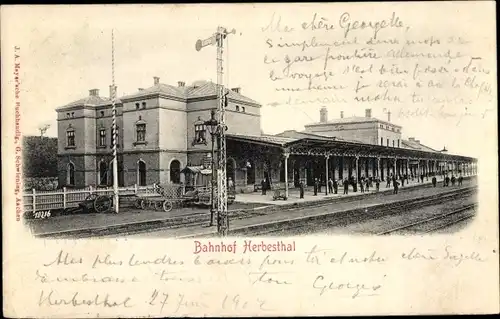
435,218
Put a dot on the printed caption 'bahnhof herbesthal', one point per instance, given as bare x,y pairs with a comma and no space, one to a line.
158,128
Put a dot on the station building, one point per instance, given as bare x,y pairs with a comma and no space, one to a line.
162,139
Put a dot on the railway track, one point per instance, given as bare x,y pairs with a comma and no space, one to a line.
434,223
315,224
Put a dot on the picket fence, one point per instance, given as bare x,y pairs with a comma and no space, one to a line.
67,198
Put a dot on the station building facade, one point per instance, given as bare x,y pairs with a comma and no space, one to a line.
162,139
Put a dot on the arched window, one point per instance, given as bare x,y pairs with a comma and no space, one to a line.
141,173
175,172
140,131
237,108
103,173
70,174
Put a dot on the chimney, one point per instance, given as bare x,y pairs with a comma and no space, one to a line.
111,92
141,89
181,84
156,80
412,139
341,114
389,116
368,113
323,114
417,141
94,92
237,90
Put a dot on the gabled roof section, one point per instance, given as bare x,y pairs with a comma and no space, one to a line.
416,146
86,101
208,88
160,88
266,139
352,120
302,134
200,89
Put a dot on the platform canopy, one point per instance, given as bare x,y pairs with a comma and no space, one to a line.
329,146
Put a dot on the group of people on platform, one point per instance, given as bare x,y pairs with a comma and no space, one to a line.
365,184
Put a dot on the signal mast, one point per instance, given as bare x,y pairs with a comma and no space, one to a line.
218,39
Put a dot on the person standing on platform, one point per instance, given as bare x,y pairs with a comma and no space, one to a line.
301,185
453,180
396,186
367,184
346,186
402,180
447,180
460,180
361,185
316,187
330,185
336,186
388,182
421,178
377,184
434,181
263,184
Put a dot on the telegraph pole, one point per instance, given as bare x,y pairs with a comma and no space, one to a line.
218,39
113,103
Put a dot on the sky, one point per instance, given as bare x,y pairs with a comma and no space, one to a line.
65,51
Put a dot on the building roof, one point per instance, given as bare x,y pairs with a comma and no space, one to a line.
302,134
267,139
91,100
199,89
322,146
417,146
160,88
352,119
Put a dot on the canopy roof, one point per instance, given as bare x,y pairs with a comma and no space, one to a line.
196,170
327,146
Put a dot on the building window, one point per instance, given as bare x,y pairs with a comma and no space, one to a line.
70,177
175,172
237,108
243,109
102,137
387,142
200,132
393,143
381,125
392,129
382,141
143,105
70,138
137,106
141,132
72,114
102,113
67,115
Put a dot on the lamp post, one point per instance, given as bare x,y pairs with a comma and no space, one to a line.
211,126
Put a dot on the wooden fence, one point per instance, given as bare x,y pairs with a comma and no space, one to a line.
67,198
